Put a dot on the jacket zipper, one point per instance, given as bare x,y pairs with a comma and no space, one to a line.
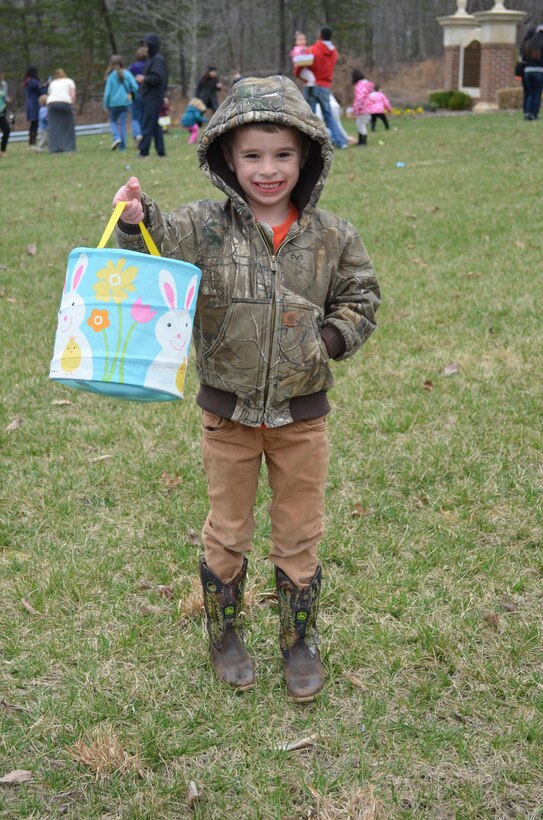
273,266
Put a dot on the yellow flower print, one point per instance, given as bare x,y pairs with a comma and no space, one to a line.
114,283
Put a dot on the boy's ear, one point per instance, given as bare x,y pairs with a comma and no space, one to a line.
227,157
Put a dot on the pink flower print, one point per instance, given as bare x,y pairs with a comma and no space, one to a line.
142,313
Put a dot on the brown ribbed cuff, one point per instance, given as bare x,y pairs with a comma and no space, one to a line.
333,341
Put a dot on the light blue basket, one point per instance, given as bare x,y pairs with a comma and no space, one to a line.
125,322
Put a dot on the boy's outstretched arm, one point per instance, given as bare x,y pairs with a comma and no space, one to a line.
131,194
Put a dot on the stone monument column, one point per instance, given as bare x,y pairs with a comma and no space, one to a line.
458,30
498,52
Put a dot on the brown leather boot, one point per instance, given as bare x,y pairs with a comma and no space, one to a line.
223,603
298,636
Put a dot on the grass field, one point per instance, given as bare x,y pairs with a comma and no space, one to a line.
431,611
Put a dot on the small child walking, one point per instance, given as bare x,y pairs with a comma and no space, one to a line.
286,287
43,124
378,105
361,104
193,118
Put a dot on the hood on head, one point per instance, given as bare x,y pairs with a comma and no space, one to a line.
271,99
153,44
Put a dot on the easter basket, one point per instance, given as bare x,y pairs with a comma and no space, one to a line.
125,321
303,60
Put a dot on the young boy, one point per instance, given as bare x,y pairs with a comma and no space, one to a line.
285,287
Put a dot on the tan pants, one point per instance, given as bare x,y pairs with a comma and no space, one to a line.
297,461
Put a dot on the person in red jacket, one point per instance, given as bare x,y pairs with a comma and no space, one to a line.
324,62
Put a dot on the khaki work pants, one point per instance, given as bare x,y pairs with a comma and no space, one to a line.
296,458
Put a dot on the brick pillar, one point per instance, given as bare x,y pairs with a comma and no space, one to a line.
451,67
497,62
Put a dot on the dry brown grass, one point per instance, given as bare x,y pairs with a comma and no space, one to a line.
103,754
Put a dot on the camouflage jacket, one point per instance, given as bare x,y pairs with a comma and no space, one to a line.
260,315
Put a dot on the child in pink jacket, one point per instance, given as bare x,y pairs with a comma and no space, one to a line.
378,104
361,109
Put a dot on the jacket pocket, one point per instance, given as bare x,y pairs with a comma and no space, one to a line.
302,360
237,359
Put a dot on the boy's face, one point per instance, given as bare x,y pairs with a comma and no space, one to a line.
267,166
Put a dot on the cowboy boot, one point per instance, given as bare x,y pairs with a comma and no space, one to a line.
223,603
298,637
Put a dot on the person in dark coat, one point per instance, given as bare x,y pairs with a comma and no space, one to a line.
153,85
33,90
207,88
532,54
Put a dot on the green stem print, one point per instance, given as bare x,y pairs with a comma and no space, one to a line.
109,376
123,353
106,361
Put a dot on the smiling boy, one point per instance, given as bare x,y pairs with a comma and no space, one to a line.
285,288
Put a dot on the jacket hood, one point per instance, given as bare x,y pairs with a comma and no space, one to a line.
153,44
270,99
327,46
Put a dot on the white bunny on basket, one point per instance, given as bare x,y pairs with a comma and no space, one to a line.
173,332
72,355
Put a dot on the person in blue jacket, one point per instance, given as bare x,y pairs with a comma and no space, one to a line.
33,89
193,118
118,95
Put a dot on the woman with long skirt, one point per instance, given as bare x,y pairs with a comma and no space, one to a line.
61,98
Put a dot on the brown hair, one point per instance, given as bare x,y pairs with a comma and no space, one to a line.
116,64
227,139
59,73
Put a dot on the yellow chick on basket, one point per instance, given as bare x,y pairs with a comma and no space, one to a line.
180,376
71,358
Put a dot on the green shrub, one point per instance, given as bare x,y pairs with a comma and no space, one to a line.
459,101
440,98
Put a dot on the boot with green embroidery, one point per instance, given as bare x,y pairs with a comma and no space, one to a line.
298,636
223,604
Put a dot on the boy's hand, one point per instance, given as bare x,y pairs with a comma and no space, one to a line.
131,194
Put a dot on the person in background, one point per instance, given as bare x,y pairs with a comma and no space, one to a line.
533,74
61,98
207,88
378,105
324,62
33,89
286,288
136,69
193,118
43,124
154,85
118,94
4,122
360,108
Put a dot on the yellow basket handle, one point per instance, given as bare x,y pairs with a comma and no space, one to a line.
114,218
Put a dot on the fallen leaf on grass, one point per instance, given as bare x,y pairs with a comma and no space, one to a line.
474,275
62,402
421,500
16,777
103,754
427,385
356,681
150,609
298,745
14,425
29,608
12,707
193,795
492,619
163,589
31,248
12,300
360,511
105,457
171,481
509,606
451,369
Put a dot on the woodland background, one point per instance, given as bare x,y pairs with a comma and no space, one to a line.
388,38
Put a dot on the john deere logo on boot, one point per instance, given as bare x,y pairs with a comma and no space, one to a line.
229,611
301,616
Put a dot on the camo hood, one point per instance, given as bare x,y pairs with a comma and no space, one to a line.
270,99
